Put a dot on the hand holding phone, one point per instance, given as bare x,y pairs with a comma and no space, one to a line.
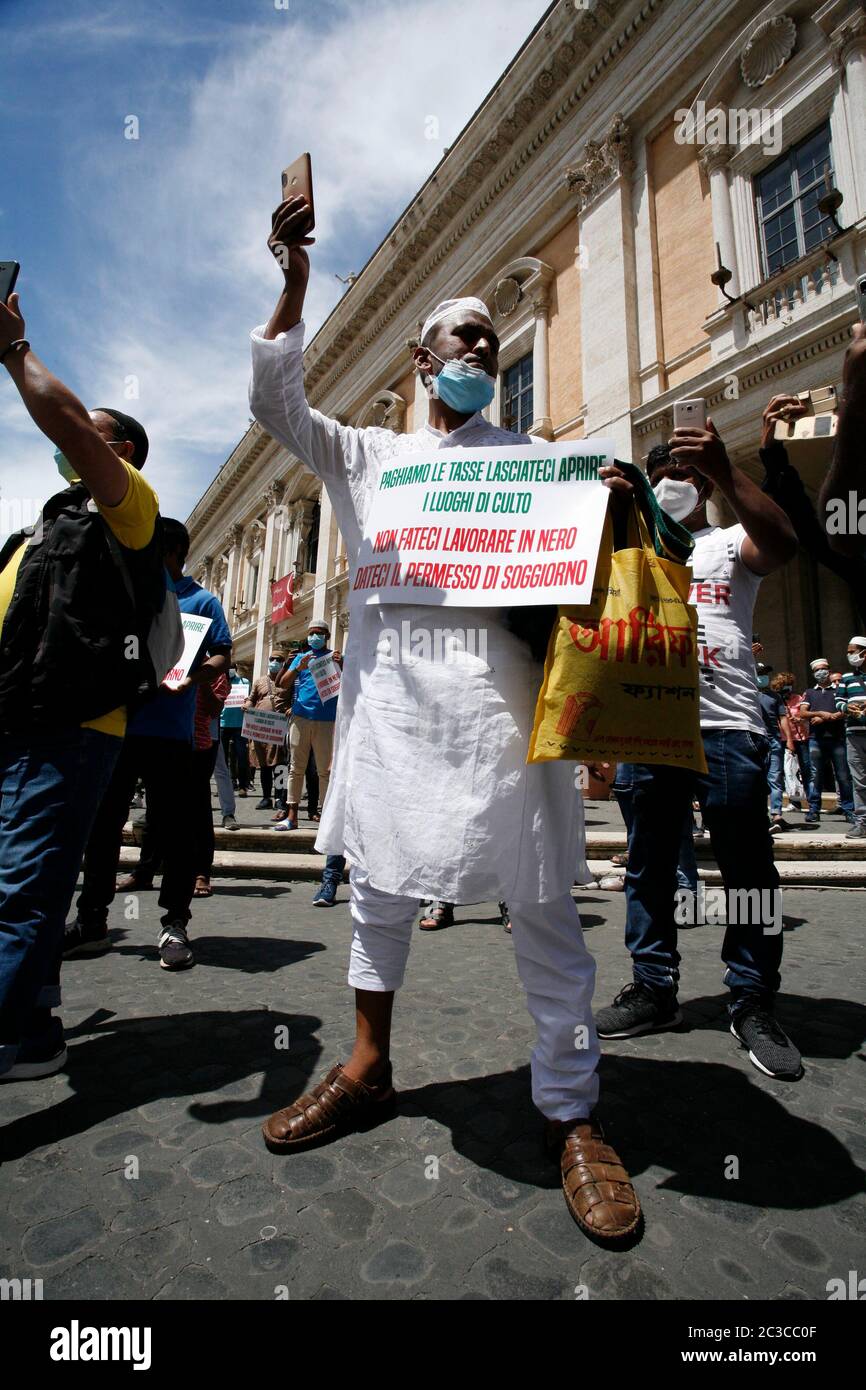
690,414
298,183
8,275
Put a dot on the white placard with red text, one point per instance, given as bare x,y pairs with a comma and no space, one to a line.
486,528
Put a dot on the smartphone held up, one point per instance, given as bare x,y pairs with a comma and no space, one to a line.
298,183
8,275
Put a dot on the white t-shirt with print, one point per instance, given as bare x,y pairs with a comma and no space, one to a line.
724,590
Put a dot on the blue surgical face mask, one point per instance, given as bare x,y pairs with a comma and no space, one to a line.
464,389
822,677
316,641
274,666
64,467
763,682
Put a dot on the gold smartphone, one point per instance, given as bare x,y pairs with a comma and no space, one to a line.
298,182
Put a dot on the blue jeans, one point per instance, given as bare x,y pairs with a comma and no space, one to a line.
733,799
776,775
687,868
50,789
335,865
821,750
237,755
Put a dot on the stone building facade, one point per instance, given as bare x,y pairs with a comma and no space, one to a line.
631,149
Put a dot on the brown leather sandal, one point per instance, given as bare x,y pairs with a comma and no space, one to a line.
598,1191
338,1105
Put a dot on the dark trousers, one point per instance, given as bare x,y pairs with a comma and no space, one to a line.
267,776
237,751
203,763
733,799
166,768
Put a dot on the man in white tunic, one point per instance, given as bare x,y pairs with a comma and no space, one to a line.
431,794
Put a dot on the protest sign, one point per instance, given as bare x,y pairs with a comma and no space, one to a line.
264,726
194,633
236,696
486,528
326,673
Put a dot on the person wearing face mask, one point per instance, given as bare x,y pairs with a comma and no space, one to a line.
66,680
432,795
783,685
728,564
826,724
851,701
775,717
267,695
312,723
236,749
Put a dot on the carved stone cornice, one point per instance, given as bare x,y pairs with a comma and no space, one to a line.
448,209
603,162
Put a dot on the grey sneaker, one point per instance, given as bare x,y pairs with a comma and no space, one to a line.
229,823
636,1010
174,947
857,831
770,1049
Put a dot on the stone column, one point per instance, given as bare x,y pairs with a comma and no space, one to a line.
608,308
542,423
233,545
273,498
715,160
849,48
325,557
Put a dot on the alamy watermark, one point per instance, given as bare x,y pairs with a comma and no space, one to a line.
734,125
441,645
733,907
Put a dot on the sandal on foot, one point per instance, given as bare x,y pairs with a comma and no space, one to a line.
338,1105
202,887
598,1191
442,915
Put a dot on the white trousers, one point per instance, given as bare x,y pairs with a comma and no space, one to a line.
555,968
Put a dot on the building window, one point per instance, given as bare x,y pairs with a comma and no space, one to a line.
787,194
517,411
311,556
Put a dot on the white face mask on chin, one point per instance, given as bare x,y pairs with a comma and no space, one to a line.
677,497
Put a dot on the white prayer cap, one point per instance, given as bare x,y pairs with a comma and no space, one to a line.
819,661
857,642
449,307
319,625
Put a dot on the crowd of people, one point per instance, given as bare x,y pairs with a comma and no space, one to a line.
432,798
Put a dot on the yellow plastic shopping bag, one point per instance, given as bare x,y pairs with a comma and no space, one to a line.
621,675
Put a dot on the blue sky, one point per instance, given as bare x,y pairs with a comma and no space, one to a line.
144,262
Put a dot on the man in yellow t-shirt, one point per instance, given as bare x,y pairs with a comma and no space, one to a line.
64,611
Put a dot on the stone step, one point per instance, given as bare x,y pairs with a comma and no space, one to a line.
244,864
600,844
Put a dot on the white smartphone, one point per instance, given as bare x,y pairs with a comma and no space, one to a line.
691,414
861,297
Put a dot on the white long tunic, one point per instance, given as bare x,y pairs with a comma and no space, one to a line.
430,793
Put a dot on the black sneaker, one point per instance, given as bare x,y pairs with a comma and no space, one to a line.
38,1057
812,819
770,1048
265,804
505,918
174,947
229,823
636,1010
85,939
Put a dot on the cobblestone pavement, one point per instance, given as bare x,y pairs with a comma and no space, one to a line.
140,1172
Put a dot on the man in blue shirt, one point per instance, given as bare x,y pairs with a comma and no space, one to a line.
158,749
235,746
312,722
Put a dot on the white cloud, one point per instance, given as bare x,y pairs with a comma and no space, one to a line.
185,210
